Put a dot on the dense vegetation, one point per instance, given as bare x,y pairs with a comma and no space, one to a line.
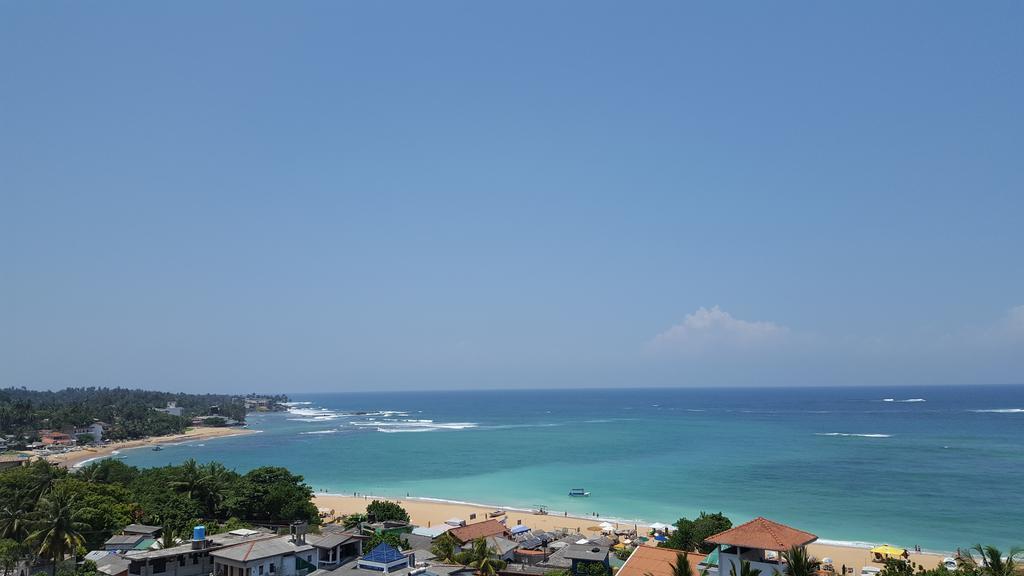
130,413
49,513
385,511
690,534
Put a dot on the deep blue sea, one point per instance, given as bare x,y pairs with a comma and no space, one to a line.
938,467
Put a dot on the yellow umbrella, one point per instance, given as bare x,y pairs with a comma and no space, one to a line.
887,550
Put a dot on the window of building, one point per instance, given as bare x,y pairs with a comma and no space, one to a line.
135,568
159,566
195,559
181,560
261,568
271,567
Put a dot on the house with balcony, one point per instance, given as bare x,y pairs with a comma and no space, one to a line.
335,547
95,430
760,542
280,556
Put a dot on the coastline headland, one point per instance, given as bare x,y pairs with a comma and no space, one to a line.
78,458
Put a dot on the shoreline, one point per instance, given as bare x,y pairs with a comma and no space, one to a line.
79,458
426,511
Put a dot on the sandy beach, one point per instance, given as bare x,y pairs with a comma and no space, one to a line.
77,457
430,513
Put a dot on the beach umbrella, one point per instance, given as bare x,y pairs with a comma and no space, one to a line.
658,526
887,550
660,538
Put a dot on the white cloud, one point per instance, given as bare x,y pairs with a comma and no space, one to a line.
708,330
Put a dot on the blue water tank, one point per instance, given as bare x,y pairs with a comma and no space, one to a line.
199,533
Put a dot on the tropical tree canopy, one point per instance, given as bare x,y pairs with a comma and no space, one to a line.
58,525
690,534
799,563
385,510
991,561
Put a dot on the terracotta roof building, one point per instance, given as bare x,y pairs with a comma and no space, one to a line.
653,561
479,530
763,534
759,542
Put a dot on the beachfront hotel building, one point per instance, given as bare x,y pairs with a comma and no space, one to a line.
760,542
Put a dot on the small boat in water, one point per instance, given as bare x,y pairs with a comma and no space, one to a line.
578,492
157,448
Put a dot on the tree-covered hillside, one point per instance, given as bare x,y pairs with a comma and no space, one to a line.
130,413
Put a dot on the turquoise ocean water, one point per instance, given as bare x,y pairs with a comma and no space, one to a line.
937,467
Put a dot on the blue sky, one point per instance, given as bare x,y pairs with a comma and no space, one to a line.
332,196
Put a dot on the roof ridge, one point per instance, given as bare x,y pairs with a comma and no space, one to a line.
771,530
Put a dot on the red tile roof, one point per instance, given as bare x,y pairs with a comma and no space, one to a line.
763,534
653,561
479,530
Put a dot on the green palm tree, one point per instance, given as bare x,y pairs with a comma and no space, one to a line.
445,548
745,570
58,526
682,566
799,563
992,562
353,520
15,519
215,480
44,475
485,558
190,482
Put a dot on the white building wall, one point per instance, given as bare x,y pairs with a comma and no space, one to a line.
729,562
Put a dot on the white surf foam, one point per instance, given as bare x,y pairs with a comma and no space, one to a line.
334,431
850,434
904,400
1001,411
390,425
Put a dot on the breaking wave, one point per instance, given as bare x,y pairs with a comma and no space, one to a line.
1001,411
849,434
907,400
390,426
332,431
